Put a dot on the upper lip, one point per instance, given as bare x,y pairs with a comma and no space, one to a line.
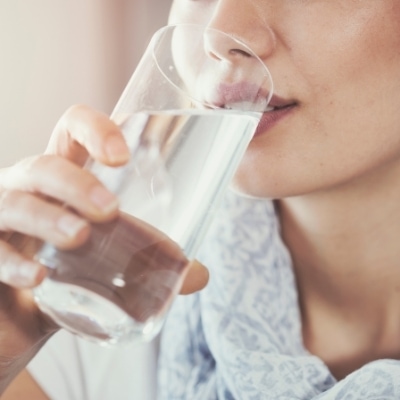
236,95
277,102
258,99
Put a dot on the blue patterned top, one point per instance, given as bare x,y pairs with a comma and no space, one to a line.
240,338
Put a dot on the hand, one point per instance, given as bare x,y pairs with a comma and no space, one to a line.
32,193
83,131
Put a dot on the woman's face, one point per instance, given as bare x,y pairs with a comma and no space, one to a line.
336,72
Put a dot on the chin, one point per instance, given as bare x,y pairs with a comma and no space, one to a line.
270,189
245,193
246,189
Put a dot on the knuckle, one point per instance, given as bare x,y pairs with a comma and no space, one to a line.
8,258
85,124
19,210
87,118
35,172
38,163
8,200
17,175
75,111
42,162
15,270
74,116
53,176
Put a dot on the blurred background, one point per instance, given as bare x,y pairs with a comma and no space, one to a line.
56,53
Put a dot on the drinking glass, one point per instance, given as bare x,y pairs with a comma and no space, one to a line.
187,114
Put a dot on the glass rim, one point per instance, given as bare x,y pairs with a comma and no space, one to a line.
158,35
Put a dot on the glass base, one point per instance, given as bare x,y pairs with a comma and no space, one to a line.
91,316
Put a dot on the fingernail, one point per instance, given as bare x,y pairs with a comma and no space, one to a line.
70,225
103,199
116,149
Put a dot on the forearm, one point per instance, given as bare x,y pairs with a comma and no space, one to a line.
15,361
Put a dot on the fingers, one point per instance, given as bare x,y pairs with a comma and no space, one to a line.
196,278
18,271
37,194
59,179
82,131
35,217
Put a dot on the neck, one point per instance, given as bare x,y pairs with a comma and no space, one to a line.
346,255
345,246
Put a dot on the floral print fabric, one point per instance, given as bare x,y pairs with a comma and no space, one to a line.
240,338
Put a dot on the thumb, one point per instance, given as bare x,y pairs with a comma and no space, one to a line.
196,278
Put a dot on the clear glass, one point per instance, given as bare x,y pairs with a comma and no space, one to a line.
187,117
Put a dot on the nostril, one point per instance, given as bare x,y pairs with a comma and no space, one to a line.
231,53
224,46
240,52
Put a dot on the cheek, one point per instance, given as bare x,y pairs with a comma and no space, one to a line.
347,127
309,153
356,45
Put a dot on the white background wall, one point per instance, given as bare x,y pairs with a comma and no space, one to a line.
55,53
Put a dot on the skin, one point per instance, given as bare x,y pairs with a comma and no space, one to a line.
332,165
27,209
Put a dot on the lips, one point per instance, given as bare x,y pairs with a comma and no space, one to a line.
241,96
276,112
278,103
251,96
245,96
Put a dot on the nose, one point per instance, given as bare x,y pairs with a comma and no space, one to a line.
242,20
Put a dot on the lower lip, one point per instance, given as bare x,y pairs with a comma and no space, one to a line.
271,118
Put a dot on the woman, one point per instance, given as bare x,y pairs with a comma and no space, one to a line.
304,299
332,164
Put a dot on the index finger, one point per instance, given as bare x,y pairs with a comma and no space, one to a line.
82,132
